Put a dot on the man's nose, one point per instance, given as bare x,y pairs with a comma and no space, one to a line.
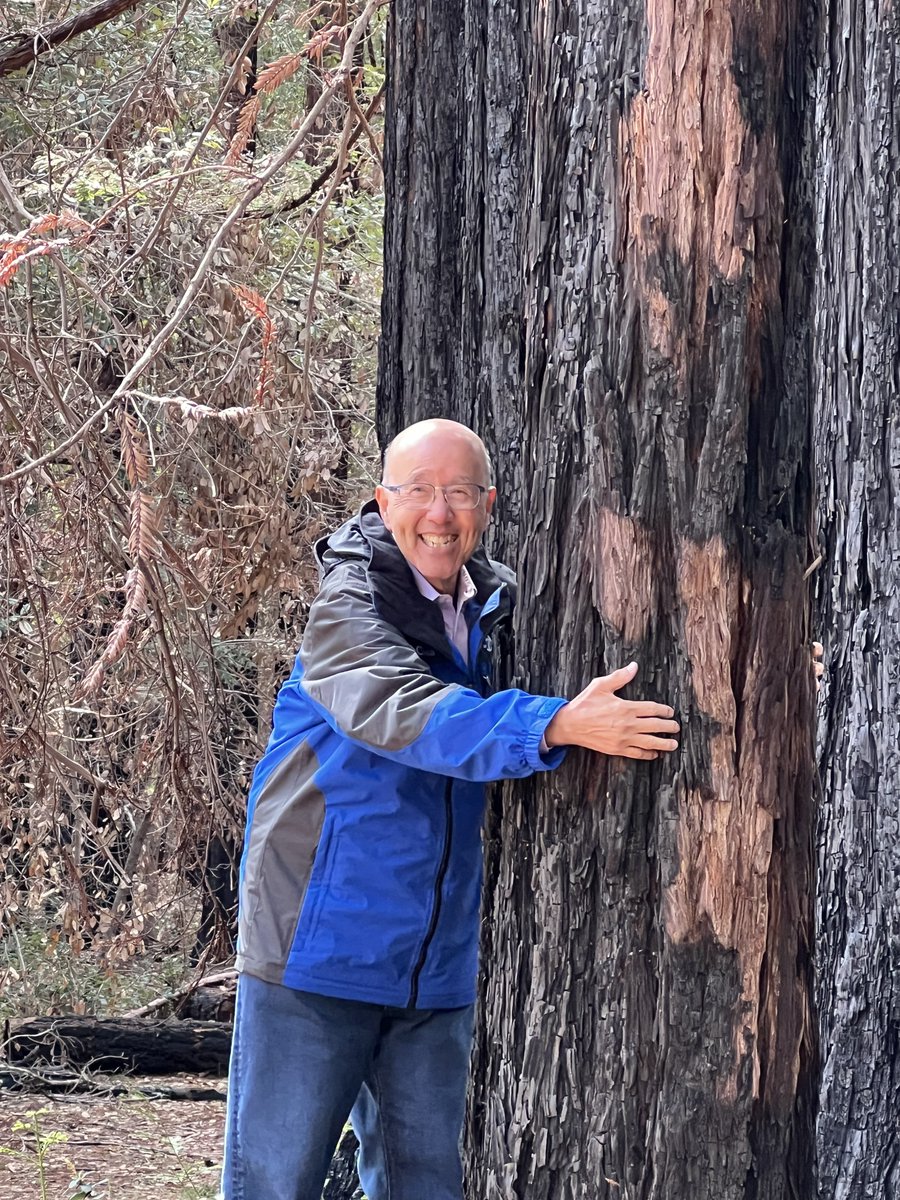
439,509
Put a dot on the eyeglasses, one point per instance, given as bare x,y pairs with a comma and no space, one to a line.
459,496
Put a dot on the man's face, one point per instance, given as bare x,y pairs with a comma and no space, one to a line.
437,540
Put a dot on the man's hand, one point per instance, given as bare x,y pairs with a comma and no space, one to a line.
600,720
818,665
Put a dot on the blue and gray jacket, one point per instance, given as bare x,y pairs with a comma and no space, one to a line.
362,867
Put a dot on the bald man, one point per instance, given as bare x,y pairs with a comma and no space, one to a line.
361,875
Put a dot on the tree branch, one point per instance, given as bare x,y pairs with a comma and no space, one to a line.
29,46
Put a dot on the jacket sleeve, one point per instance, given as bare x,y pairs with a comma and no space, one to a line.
370,685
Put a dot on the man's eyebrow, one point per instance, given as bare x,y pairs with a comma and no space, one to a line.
459,478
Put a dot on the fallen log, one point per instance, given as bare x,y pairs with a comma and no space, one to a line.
61,1081
143,1047
209,999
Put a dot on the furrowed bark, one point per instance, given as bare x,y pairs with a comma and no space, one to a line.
645,1026
856,368
420,305
649,972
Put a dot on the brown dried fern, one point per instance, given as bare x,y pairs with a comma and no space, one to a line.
135,599
244,132
50,222
256,307
32,244
315,47
143,546
134,458
278,71
143,534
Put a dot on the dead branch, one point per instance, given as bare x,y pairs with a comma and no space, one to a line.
49,1080
327,171
182,993
30,46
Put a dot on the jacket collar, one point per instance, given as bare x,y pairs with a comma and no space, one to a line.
394,591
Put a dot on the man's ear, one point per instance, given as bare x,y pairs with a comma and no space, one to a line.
489,500
382,496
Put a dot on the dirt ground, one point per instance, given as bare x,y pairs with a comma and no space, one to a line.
119,1148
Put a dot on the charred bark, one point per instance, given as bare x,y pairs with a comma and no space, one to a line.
420,307
856,368
119,1044
634,329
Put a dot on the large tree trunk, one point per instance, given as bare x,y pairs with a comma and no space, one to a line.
632,321
856,363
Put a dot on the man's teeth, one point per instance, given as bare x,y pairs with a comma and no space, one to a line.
431,539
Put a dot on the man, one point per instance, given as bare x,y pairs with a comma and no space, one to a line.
362,868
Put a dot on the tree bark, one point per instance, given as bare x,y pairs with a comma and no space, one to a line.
635,329
420,315
856,369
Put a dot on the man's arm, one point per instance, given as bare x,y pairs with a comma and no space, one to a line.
372,686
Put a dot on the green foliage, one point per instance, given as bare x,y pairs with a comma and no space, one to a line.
41,972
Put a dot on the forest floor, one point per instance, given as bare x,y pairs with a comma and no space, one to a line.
118,1147
114,1147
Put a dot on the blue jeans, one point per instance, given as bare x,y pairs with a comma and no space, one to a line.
301,1062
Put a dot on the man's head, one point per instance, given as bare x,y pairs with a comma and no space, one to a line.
433,535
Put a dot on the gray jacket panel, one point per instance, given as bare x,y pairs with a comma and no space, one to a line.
281,849
362,670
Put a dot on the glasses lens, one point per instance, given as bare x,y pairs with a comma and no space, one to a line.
461,496
417,495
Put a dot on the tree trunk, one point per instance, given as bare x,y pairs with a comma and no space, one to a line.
420,305
632,322
856,367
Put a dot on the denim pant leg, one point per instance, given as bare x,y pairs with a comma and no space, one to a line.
409,1113
297,1063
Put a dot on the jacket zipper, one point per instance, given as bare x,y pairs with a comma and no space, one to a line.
438,885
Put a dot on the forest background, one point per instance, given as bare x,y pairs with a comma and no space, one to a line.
190,290
158,524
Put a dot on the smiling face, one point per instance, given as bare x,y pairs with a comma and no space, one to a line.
437,540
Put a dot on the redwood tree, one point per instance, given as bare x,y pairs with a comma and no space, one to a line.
598,226
856,370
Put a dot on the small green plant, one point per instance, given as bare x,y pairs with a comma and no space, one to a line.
43,1142
38,1154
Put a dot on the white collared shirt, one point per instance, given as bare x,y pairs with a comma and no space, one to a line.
452,612
451,607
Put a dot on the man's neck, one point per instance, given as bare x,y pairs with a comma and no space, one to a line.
428,587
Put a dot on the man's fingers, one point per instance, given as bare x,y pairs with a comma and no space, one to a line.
637,752
818,649
644,741
651,725
647,708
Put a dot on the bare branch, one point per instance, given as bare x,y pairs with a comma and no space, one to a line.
30,45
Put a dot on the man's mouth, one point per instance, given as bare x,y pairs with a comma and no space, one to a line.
437,540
